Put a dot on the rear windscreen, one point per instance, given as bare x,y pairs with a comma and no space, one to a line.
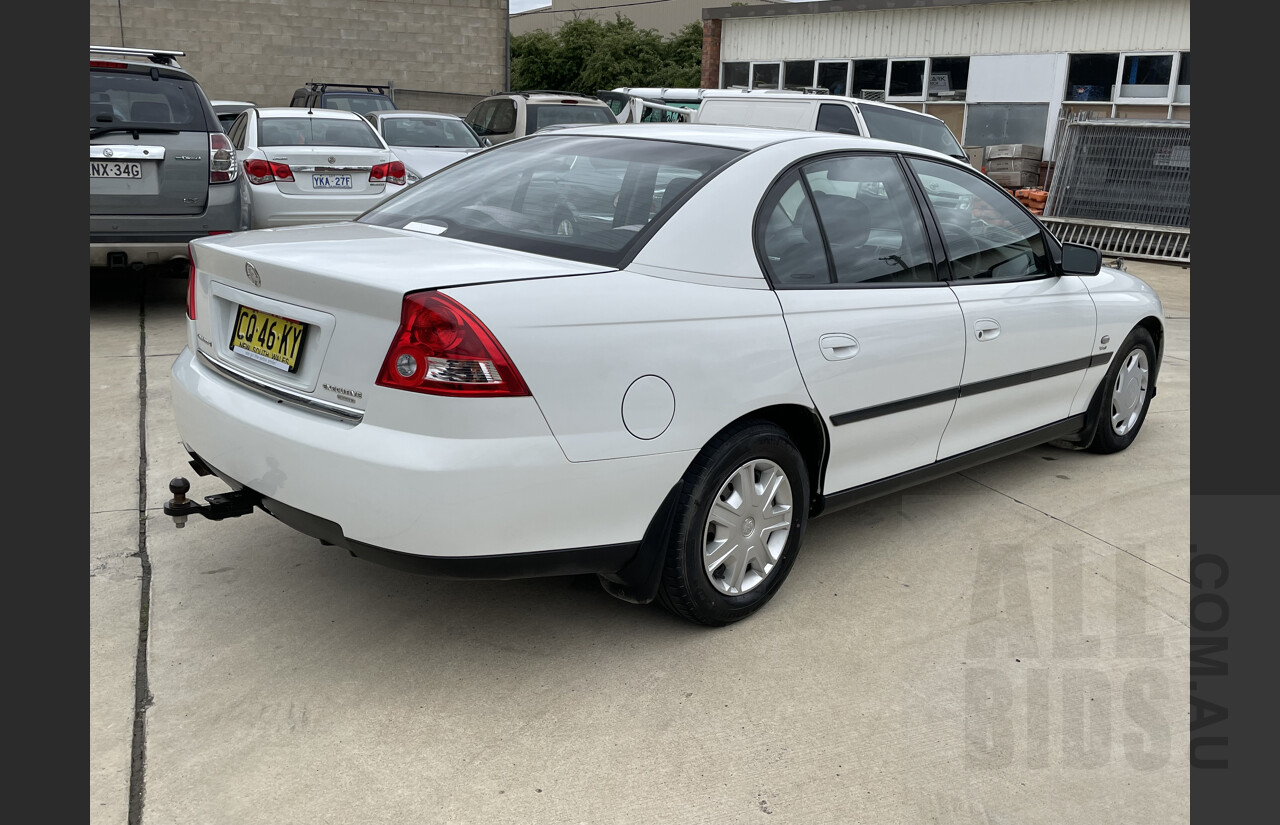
117,98
308,131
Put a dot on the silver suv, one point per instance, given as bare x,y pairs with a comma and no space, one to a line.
508,116
161,171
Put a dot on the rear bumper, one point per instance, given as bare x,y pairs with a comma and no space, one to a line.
157,239
487,493
568,562
273,208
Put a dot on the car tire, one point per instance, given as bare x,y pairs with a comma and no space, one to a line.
737,527
1125,394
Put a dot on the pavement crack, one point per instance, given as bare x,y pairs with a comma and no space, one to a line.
1074,527
142,698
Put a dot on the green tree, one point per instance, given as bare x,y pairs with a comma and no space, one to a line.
585,55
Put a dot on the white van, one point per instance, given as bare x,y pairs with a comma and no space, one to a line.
827,113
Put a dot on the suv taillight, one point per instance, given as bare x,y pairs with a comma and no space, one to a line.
392,172
222,159
191,284
442,349
265,171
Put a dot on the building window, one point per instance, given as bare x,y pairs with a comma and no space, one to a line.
1090,76
948,78
1146,78
766,75
907,79
990,124
1182,94
869,78
834,76
798,74
735,75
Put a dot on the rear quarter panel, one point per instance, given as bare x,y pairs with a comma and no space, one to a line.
581,342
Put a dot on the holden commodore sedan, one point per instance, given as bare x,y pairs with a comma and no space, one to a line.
756,327
311,165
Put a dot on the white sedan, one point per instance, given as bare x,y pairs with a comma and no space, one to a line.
311,165
425,141
746,329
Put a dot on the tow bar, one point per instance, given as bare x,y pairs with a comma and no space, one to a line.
220,506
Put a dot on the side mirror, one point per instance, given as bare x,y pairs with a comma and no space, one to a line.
1078,259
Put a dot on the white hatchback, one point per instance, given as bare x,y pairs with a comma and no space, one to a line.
311,166
739,330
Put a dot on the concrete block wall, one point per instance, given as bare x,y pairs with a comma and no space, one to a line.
261,50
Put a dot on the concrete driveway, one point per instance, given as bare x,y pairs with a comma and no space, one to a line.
1004,645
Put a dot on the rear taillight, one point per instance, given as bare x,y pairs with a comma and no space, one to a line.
191,285
222,159
442,349
265,171
392,172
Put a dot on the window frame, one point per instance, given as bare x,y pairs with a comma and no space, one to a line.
1171,86
916,203
925,66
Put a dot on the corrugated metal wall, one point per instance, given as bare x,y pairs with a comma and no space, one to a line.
1049,26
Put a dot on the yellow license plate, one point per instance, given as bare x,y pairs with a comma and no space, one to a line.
269,339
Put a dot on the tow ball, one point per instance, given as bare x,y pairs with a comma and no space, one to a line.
220,506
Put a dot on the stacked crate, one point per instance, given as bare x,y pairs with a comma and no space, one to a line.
1014,165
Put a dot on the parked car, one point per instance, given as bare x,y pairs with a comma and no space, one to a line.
425,141
827,113
227,110
451,385
161,171
352,97
504,117
632,104
317,166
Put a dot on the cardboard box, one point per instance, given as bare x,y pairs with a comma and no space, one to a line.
1014,150
975,154
1015,180
1013,165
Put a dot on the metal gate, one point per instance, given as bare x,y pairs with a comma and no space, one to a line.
1123,186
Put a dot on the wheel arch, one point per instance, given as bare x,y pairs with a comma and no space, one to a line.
1155,329
639,580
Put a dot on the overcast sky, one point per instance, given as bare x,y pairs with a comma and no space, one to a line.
525,5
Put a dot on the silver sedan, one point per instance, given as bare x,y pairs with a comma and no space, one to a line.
312,166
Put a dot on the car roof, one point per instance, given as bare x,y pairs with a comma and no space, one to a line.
783,94
301,111
551,94
746,138
383,114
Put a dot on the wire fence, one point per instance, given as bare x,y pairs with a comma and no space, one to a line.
1123,185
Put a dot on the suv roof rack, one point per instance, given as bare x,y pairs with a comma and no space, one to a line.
164,57
316,86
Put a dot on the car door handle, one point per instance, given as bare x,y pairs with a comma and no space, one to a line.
986,329
838,346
